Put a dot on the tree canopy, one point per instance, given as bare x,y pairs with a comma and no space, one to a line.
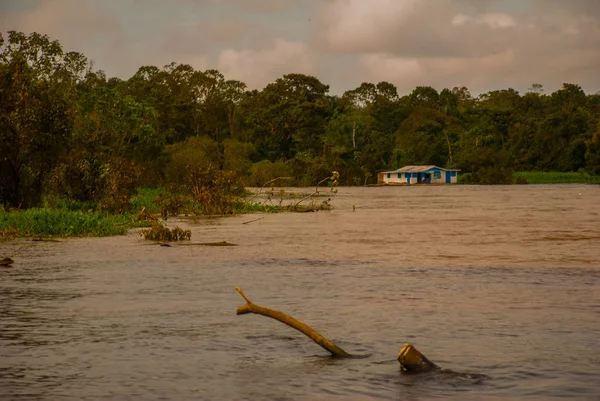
67,129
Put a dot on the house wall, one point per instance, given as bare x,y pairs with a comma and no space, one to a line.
394,178
453,176
441,176
440,179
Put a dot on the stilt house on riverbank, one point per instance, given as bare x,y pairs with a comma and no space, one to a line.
409,175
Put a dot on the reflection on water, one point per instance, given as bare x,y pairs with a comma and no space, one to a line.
494,281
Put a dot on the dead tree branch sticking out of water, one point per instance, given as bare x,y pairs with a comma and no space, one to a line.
411,360
250,307
334,181
270,182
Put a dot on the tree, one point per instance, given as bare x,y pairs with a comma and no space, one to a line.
113,136
37,112
287,117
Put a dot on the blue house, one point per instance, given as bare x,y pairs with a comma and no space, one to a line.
409,175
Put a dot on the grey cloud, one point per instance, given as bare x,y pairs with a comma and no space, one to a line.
61,19
259,67
573,7
204,36
241,5
483,44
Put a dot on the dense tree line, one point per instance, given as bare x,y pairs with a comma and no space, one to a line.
68,130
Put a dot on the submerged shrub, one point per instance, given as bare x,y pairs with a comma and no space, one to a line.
214,190
174,201
159,232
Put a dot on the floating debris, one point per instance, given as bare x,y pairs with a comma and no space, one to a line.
6,261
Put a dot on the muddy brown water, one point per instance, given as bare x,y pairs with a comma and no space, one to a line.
495,281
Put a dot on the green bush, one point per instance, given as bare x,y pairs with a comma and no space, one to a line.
197,152
146,198
103,185
265,171
539,177
64,223
236,157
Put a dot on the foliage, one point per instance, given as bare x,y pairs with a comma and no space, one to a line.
146,198
214,190
37,113
198,152
69,132
159,232
265,171
237,157
175,201
63,223
243,207
488,176
539,177
205,191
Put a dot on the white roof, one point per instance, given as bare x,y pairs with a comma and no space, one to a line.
418,169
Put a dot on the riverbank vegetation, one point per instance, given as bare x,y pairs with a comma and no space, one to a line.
538,177
46,222
72,138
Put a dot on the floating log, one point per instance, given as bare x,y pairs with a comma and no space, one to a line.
250,307
252,221
220,243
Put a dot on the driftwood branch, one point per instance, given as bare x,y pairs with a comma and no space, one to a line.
411,360
312,194
250,307
270,182
252,221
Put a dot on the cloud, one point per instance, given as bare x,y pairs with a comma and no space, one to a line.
494,21
246,5
483,44
383,67
61,19
257,68
80,26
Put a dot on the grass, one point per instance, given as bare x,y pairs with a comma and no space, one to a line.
46,222
246,207
68,218
538,177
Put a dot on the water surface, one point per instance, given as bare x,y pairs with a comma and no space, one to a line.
495,281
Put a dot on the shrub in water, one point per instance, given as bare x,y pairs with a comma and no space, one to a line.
159,232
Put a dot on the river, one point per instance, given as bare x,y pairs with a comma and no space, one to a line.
500,284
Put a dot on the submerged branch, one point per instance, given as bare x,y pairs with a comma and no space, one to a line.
270,182
250,307
252,221
334,178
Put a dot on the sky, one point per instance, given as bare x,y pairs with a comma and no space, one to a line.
481,44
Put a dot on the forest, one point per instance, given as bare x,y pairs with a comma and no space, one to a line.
68,130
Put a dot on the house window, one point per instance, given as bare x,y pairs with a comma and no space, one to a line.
389,176
453,173
399,175
437,174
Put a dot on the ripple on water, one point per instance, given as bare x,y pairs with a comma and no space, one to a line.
487,282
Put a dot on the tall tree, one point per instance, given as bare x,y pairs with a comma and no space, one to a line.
37,112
